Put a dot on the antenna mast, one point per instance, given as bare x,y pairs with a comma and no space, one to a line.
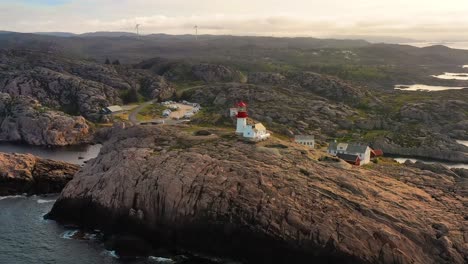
196,32
137,27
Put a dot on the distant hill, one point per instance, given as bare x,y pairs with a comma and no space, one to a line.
108,34
56,34
379,39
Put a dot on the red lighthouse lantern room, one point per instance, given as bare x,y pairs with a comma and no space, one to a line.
242,110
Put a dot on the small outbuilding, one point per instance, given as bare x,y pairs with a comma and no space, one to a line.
111,109
305,140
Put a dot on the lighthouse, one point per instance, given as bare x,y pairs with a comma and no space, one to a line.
241,117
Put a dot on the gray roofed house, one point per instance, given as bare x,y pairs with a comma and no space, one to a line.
361,150
356,148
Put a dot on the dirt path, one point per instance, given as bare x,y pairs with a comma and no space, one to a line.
132,117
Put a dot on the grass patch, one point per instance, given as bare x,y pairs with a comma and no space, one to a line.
150,112
120,117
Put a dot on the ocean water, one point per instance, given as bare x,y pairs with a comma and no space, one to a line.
422,87
452,76
75,155
26,238
453,45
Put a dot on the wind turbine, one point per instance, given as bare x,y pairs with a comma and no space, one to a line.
137,27
196,32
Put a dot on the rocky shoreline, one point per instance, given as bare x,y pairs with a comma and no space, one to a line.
261,204
28,174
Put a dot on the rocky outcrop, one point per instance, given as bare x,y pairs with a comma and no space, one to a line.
183,71
262,204
286,107
432,146
23,119
73,85
266,78
29,174
217,73
329,87
156,87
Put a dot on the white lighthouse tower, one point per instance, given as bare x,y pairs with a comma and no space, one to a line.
241,117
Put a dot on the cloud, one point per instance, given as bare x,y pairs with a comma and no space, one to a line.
428,19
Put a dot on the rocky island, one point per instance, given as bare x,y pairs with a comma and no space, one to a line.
272,202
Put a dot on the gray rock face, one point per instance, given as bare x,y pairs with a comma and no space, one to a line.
284,106
23,119
219,195
266,78
29,174
434,146
329,87
217,73
73,85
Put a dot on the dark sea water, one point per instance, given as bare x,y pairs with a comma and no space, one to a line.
75,154
25,237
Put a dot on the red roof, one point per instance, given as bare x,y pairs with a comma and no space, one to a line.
377,152
241,104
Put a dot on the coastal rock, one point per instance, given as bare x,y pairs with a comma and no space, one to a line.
29,174
22,119
433,146
263,204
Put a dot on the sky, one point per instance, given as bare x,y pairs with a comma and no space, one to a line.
429,20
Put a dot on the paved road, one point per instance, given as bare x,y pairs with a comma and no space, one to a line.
132,117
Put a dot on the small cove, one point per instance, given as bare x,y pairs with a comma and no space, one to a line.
74,154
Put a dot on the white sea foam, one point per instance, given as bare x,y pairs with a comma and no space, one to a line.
161,260
69,234
42,201
421,87
12,197
111,254
452,76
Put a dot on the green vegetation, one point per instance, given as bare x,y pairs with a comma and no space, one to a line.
131,96
151,112
353,72
209,116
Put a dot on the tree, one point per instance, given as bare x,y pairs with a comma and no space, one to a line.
116,62
107,61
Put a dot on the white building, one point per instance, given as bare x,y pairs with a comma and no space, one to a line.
359,150
305,140
256,132
233,112
253,132
111,109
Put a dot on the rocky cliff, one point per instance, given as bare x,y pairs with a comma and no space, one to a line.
272,202
29,174
23,119
73,85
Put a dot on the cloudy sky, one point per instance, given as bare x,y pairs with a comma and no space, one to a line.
418,19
